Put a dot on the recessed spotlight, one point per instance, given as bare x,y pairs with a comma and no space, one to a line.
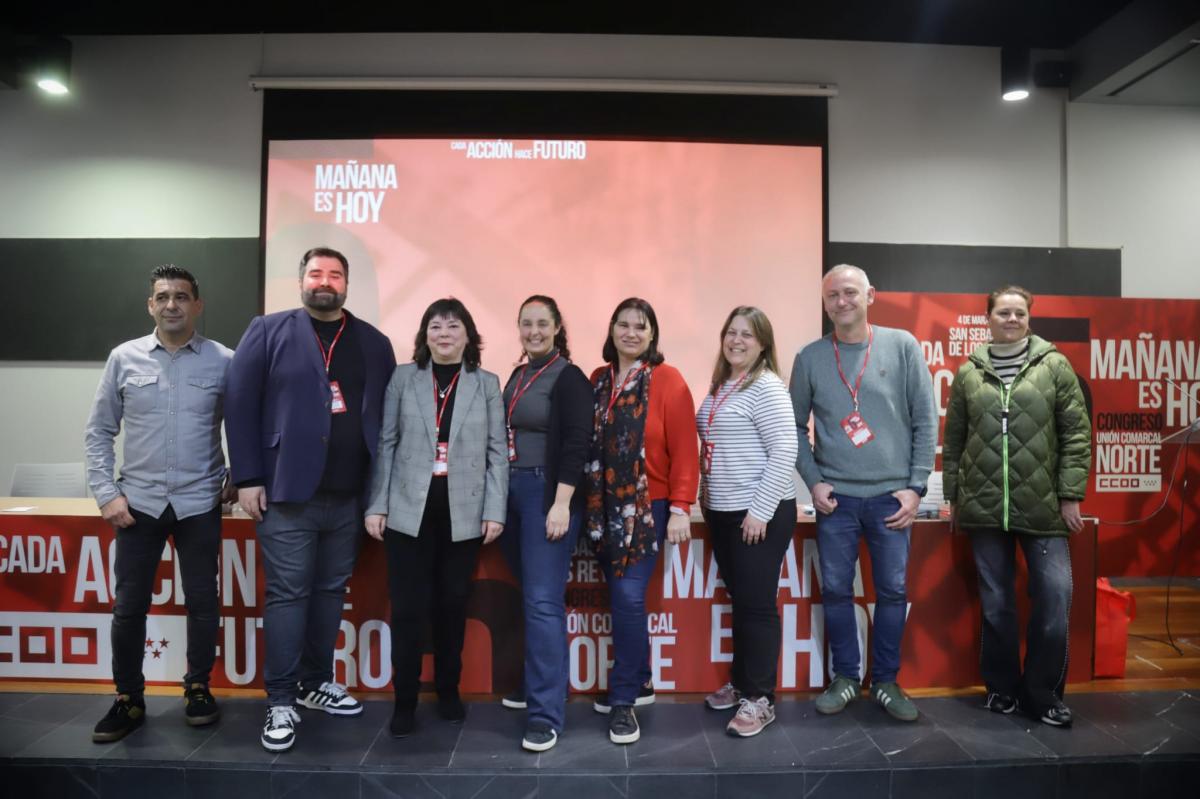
52,86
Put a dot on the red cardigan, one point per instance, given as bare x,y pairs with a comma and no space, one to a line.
672,448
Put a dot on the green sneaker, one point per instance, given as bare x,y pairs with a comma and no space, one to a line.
841,692
894,701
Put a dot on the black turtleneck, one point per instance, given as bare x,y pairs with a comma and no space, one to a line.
444,374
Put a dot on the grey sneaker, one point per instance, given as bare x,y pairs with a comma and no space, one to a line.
841,692
894,701
723,698
752,717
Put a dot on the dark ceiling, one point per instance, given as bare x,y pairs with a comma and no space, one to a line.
1050,24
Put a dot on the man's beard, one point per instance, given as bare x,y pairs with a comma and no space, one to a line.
322,300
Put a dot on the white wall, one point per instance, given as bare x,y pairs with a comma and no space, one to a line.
1134,183
161,137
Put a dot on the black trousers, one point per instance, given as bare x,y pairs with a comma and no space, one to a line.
751,576
1048,562
429,580
139,552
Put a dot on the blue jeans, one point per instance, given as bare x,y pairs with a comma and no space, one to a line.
308,551
837,542
542,567
627,598
139,552
1048,561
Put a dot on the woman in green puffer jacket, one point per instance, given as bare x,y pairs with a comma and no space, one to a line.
1015,464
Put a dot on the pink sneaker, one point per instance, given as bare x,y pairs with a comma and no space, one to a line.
723,698
751,718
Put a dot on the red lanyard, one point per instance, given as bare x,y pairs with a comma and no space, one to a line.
866,358
717,402
520,390
327,355
444,400
616,392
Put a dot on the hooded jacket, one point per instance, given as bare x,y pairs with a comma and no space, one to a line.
1011,454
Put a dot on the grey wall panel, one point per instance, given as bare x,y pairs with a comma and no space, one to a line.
74,299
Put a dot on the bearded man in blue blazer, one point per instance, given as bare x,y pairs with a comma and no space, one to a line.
302,416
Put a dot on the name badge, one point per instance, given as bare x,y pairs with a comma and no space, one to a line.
441,462
856,429
512,445
338,405
706,456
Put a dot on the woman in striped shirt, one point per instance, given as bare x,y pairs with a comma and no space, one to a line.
747,458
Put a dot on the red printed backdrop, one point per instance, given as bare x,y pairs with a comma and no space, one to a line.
56,608
694,227
1138,361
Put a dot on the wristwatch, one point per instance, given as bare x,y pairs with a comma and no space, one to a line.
919,490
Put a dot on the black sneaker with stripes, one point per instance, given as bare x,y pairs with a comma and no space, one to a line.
330,697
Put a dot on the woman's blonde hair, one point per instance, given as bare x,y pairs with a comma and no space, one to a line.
761,325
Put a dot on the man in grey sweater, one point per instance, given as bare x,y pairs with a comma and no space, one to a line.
875,428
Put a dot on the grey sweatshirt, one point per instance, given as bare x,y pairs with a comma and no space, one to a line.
895,401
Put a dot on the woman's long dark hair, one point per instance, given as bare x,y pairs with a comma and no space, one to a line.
452,308
652,357
560,338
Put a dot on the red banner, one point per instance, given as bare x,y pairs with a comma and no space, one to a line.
1138,361
57,590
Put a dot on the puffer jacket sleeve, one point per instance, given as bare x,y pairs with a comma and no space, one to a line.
955,437
1074,431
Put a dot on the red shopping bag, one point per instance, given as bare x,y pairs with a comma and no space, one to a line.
1114,610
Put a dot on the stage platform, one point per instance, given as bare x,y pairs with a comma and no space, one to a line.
1122,745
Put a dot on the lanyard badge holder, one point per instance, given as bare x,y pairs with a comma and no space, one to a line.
337,401
854,426
615,391
441,454
519,392
707,445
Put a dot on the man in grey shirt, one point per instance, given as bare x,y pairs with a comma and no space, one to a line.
875,428
168,390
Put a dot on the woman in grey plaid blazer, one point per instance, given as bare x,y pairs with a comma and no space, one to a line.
439,490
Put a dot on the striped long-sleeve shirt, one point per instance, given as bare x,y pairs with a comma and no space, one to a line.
754,448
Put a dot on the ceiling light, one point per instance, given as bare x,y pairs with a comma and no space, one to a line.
1014,73
49,64
52,86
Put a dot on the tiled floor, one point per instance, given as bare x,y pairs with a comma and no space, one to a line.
1122,745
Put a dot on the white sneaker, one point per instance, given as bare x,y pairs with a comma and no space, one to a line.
332,698
279,731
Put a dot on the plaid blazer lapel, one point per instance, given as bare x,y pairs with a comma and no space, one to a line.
468,386
422,385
